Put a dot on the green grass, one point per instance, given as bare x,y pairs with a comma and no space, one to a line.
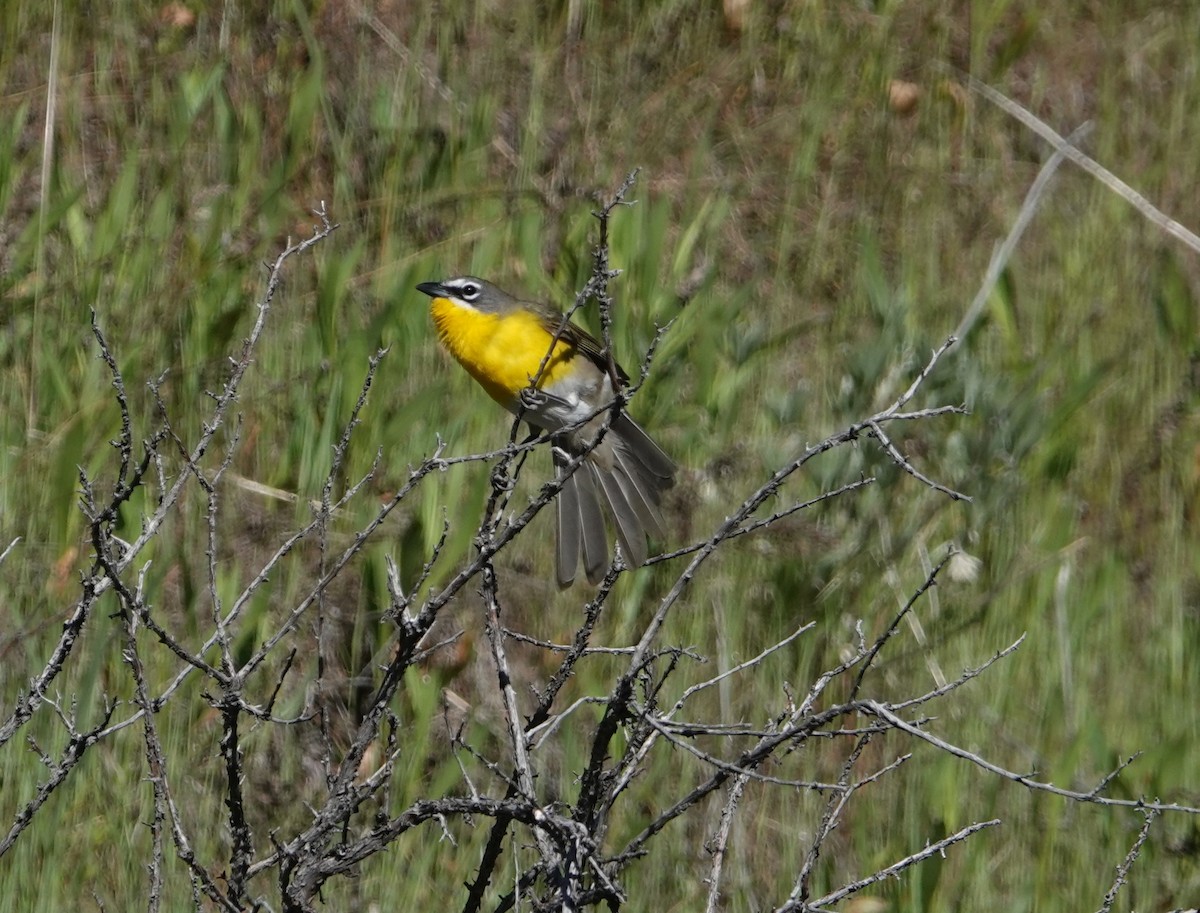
842,242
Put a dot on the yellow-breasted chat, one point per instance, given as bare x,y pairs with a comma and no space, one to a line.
503,342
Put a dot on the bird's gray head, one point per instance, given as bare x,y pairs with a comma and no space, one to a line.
470,291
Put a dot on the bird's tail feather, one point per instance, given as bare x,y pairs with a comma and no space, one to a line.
580,524
631,472
618,490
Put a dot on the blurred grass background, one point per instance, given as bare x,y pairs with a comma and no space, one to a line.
840,233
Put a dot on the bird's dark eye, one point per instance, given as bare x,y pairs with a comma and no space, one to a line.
470,291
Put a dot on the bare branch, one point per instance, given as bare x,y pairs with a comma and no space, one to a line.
934,849
1127,863
885,713
900,460
721,841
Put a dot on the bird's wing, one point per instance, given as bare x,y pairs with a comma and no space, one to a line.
576,336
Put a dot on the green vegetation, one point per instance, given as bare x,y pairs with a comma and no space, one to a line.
824,242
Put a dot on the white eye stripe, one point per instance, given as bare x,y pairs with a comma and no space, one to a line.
469,291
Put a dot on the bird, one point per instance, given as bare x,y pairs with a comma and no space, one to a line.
505,344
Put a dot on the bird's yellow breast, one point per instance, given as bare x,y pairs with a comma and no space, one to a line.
501,351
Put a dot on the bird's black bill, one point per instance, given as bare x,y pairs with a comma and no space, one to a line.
432,289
